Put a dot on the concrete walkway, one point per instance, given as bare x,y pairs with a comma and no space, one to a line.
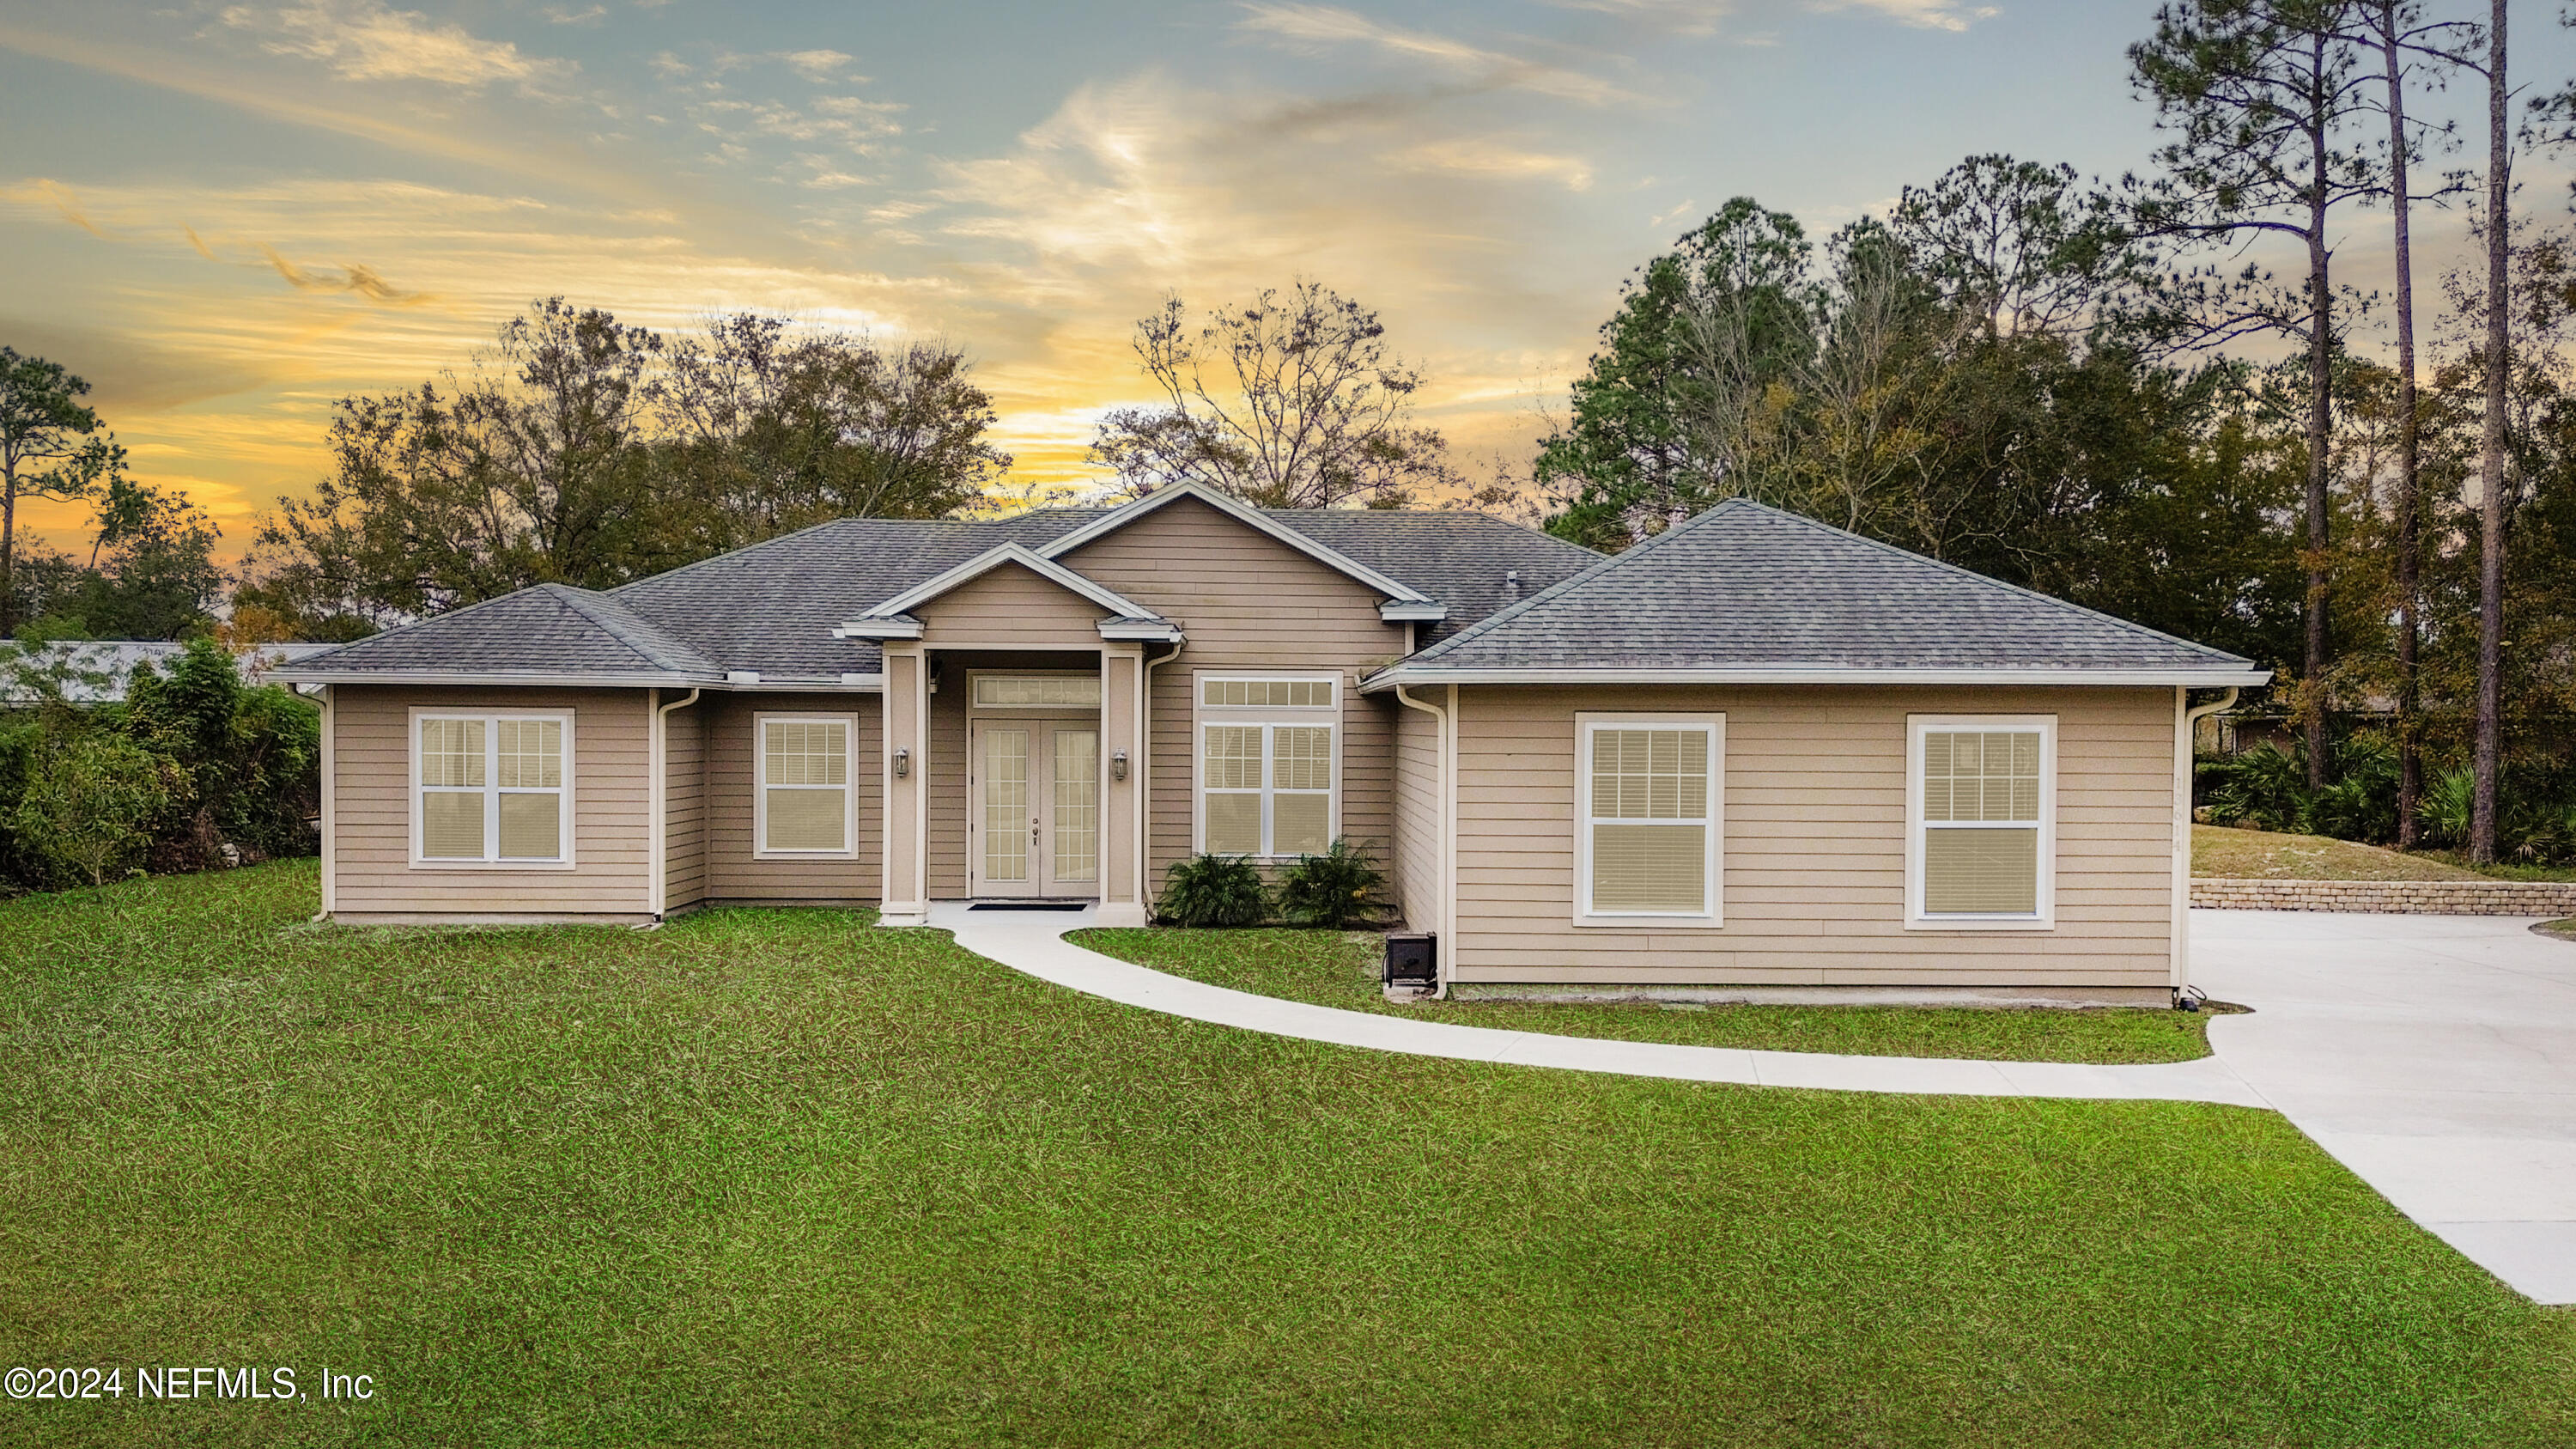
1032,942
2435,1056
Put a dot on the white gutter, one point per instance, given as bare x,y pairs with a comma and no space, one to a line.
656,895
844,684
2186,723
1445,923
2214,677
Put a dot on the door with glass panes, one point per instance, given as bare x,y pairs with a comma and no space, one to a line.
1033,808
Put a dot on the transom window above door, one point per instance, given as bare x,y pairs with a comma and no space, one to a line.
1037,691
1269,762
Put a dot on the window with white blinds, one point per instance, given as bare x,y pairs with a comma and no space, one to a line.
804,799
1647,790
1268,764
491,789
1983,794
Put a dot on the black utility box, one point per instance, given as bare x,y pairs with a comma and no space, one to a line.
1412,960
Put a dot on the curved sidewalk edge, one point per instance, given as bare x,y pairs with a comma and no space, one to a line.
1032,942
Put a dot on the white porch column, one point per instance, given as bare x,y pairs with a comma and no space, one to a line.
905,893
1122,736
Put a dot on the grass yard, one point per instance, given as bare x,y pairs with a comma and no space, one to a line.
2218,850
772,1177
1335,968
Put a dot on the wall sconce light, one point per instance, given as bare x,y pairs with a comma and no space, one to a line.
1118,764
902,763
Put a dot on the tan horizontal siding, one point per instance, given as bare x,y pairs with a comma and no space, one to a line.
1813,874
1248,602
610,778
1417,818
733,872
944,769
684,806
1013,607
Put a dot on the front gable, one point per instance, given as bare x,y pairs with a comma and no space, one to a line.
1011,607
1401,601
1009,595
1195,565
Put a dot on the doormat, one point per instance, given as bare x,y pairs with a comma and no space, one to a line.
1033,906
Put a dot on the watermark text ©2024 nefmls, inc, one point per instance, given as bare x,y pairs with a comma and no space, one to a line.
178,1381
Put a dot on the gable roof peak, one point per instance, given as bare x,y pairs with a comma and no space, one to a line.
1258,520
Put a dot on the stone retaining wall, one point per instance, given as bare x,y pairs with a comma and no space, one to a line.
2391,897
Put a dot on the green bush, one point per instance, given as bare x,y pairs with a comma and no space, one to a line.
2266,788
89,808
230,766
1212,890
1335,890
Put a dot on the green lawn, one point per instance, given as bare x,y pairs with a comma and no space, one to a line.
770,1177
1333,968
2222,851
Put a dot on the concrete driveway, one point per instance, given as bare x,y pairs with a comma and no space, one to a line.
2433,1055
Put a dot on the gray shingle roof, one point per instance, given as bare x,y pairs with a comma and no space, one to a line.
771,608
1756,591
1462,559
553,630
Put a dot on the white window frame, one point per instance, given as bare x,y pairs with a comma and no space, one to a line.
760,787
1917,726
1267,716
1586,724
491,789
980,707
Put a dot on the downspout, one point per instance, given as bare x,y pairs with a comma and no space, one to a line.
2188,727
657,895
1447,837
1145,775
330,812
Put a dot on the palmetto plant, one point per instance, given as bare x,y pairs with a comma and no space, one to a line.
1335,890
1213,891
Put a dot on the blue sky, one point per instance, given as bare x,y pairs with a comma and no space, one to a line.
226,215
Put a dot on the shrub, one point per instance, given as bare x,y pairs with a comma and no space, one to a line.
89,807
235,766
2445,808
1213,890
1335,890
2264,788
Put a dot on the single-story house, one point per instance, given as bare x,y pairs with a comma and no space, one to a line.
1753,750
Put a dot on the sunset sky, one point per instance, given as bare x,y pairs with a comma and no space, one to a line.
228,215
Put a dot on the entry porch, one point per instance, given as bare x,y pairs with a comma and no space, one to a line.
1014,775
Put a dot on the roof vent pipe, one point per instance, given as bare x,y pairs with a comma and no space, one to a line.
1512,582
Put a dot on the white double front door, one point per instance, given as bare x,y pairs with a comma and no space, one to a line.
1033,808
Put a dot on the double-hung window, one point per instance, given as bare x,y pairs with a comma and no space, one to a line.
1648,791
1981,827
491,789
804,803
1269,762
